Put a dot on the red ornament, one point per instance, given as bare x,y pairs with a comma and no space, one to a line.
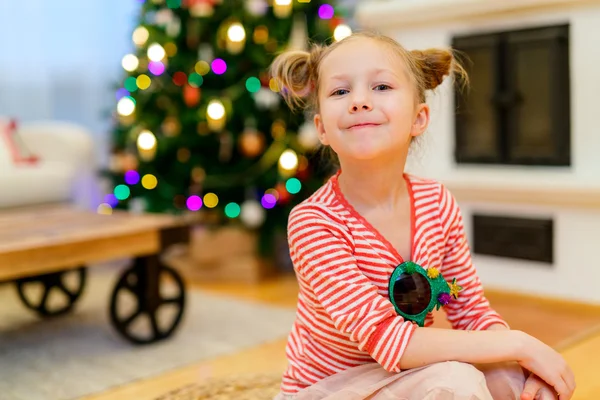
264,78
179,78
191,3
191,95
284,195
334,22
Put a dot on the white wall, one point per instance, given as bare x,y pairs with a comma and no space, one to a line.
576,270
436,156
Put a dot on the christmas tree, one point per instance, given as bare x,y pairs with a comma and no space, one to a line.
200,127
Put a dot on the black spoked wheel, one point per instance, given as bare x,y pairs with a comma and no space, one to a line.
147,302
47,302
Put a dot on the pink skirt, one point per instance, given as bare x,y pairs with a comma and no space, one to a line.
441,381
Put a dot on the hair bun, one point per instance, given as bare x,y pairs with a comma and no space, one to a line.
435,64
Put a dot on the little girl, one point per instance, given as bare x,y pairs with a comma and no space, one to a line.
376,249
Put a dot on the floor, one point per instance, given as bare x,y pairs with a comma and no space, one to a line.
573,329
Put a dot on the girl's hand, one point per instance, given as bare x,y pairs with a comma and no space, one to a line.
548,365
537,389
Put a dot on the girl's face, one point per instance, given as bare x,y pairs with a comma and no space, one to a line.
367,107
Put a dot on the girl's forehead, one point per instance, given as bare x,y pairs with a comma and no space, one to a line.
360,56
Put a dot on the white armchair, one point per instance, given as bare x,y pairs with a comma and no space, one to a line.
65,172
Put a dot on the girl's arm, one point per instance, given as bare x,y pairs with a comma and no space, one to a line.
432,345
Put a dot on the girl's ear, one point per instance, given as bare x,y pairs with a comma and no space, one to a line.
321,130
421,120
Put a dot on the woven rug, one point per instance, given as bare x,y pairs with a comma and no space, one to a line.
79,354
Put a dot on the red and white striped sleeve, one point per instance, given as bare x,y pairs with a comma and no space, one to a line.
321,250
472,310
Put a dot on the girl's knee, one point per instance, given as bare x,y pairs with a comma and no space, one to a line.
457,381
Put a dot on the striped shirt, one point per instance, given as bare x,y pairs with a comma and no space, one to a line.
344,317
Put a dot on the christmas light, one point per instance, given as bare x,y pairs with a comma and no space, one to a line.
268,201
140,36
156,67
122,192
130,62
288,160
282,8
202,67
261,34
146,140
156,52
194,203
126,106
143,81
236,32
195,80
215,109
149,181
232,210
179,78
170,49
341,31
104,209
219,66
131,84
211,200
293,185
326,11
132,177
253,84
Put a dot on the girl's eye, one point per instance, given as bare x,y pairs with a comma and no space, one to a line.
339,92
382,87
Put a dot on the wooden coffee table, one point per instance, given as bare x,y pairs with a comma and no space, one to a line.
42,244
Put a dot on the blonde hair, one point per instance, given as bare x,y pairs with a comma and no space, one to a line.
297,72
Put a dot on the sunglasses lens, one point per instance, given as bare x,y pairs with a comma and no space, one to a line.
412,293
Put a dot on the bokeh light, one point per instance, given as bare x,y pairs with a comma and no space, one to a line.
156,67
140,36
195,80
326,11
149,181
232,210
194,203
156,52
341,31
104,209
288,160
268,201
143,81
179,78
236,32
146,140
215,109
211,200
202,67
253,84
130,62
219,66
126,106
132,177
130,84
122,192
293,185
